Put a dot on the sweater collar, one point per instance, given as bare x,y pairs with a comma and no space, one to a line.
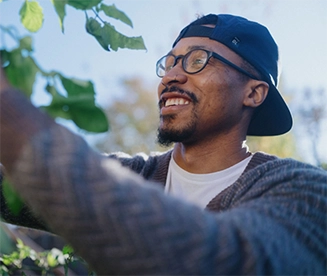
257,159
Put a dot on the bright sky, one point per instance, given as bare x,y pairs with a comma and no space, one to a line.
298,26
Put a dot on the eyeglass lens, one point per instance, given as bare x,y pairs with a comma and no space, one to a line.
193,62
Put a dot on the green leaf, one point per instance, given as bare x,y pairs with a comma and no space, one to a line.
31,16
81,110
21,71
117,40
113,12
26,43
77,87
60,6
83,4
67,250
93,27
13,200
57,107
51,259
79,106
109,38
88,117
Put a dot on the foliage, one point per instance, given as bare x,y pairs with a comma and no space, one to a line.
71,98
22,69
7,244
106,34
31,15
282,146
13,200
44,262
78,106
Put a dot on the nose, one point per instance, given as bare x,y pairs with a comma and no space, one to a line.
175,75
171,78
177,78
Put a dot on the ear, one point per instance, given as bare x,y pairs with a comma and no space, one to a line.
256,93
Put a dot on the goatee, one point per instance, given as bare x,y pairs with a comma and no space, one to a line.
167,136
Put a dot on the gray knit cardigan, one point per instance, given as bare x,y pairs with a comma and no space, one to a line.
272,220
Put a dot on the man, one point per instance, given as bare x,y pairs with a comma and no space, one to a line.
258,214
208,95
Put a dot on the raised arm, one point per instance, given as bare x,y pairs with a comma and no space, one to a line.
122,225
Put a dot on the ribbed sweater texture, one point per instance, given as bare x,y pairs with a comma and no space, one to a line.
272,220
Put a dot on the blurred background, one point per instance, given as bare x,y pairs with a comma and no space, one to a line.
125,81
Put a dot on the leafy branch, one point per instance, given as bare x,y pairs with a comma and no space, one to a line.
79,104
32,18
44,262
72,99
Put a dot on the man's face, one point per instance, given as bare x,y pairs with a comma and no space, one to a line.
202,105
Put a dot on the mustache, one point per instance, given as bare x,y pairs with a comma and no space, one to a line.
190,94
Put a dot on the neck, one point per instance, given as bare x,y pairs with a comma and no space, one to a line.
210,156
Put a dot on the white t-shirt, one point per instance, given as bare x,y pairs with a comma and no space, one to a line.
201,188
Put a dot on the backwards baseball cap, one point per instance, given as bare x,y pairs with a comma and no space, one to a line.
253,43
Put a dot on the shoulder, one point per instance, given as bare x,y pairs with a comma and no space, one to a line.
286,175
285,197
152,167
285,169
259,158
287,185
263,164
275,180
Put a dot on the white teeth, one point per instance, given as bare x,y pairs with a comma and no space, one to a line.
176,101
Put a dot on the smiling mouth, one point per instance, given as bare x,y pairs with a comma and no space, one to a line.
175,96
175,102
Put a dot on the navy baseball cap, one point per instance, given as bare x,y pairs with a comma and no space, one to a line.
253,43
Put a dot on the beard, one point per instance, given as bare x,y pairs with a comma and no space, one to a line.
166,136
169,134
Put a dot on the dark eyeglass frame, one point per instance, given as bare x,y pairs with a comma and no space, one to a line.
209,55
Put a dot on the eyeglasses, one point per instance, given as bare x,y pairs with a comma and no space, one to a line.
193,62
